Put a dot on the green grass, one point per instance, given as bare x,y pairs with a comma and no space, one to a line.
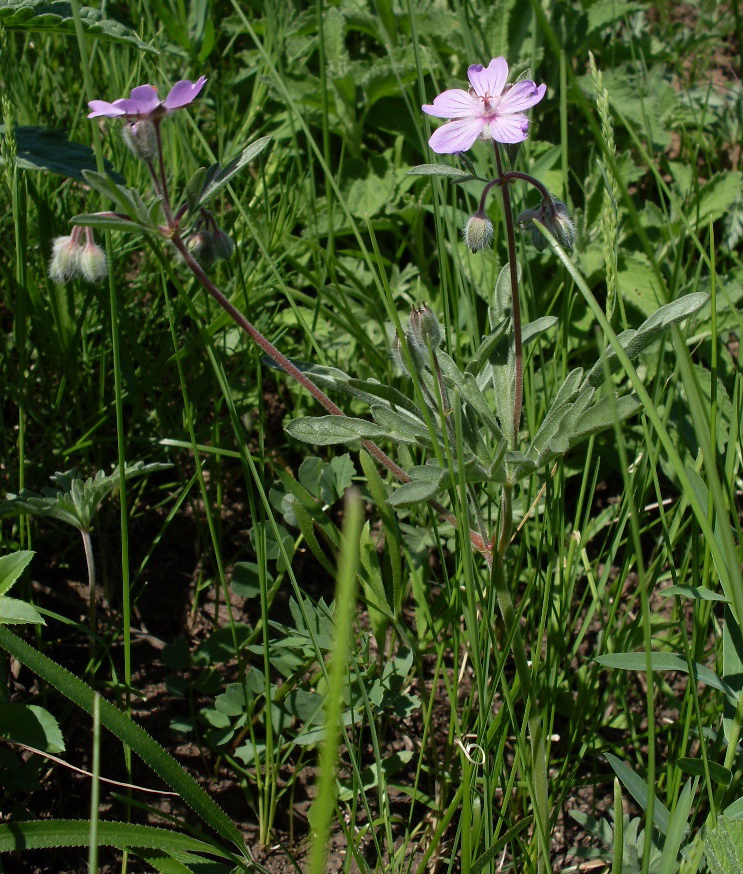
334,245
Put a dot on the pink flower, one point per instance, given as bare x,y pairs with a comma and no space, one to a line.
490,109
143,101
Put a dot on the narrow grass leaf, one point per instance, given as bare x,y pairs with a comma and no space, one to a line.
677,828
664,661
123,727
346,585
638,789
43,834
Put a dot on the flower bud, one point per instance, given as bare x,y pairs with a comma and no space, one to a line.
425,327
397,356
141,138
201,247
562,225
555,218
478,232
222,245
65,260
93,261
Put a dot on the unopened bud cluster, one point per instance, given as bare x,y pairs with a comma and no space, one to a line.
71,257
208,243
554,216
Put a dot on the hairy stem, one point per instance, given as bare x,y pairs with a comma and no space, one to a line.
518,393
285,364
90,562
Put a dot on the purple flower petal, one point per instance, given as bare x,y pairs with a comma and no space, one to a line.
183,93
142,100
489,80
454,103
522,96
509,128
103,107
456,136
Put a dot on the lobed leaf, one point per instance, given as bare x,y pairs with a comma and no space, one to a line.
55,16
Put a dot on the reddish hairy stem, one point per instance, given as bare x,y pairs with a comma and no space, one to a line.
477,541
517,174
510,235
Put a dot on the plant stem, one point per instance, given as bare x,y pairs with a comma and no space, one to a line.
168,213
285,364
90,562
511,237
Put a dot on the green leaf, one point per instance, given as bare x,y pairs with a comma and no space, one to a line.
532,330
440,170
15,612
124,728
11,567
32,725
638,284
330,430
55,16
402,426
638,789
43,834
40,148
128,200
697,592
723,846
695,767
732,671
72,499
716,197
104,220
677,828
426,481
635,341
664,661
217,177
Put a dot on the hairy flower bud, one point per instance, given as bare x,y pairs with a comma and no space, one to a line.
141,138
93,261
424,328
397,356
65,261
201,247
555,218
222,245
478,232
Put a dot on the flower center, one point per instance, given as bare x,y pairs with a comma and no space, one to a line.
487,101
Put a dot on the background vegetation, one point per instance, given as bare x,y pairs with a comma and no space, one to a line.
216,574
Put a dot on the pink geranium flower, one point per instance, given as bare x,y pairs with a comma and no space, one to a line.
490,110
143,101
